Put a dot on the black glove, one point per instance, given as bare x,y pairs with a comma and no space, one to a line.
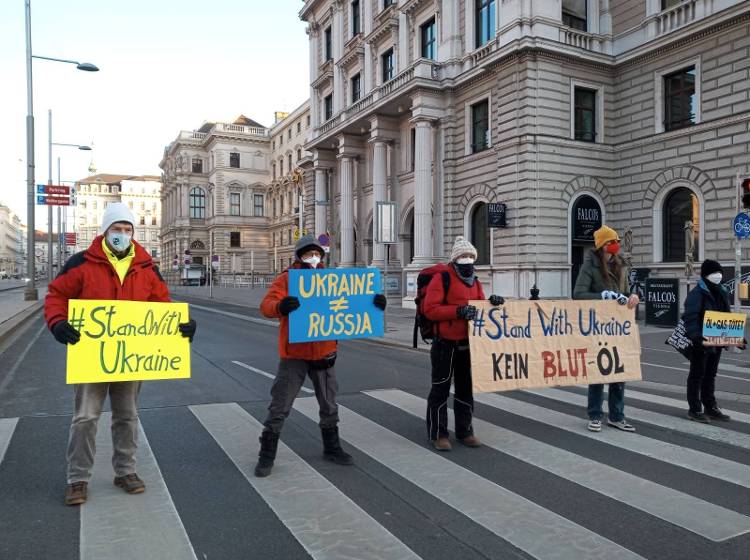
467,312
288,304
380,301
188,329
496,300
64,333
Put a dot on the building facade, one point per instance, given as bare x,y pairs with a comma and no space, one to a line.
12,249
570,113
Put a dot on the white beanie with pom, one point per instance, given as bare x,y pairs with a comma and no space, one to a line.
462,247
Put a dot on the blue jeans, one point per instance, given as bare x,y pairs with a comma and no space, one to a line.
616,394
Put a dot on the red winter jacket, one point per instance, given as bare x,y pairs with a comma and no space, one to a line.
270,308
442,309
90,275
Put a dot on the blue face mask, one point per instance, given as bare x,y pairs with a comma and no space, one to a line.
120,242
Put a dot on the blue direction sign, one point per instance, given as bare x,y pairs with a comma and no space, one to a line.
741,225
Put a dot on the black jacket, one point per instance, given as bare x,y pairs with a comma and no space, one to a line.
698,301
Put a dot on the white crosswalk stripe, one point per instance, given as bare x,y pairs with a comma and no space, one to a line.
680,404
7,427
323,519
531,528
715,523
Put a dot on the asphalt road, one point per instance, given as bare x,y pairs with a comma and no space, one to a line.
540,487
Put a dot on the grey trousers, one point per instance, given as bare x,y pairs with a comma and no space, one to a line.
287,385
123,398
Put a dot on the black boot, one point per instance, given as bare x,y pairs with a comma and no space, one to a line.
268,444
332,447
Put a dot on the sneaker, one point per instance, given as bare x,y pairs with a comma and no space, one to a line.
715,413
130,483
76,493
442,444
471,441
621,425
595,425
698,417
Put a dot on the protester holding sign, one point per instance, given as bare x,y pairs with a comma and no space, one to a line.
114,267
449,309
299,360
602,276
708,295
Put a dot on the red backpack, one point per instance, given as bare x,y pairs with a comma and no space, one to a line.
422,324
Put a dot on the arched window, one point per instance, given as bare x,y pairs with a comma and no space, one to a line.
197,203
479,233
299,154
680,206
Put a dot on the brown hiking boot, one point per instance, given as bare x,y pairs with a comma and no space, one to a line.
76,493
442,444
471,441
130,483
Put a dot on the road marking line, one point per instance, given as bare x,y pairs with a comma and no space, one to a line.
115,526
658,399
679,424
685,371
506,514
14,368
326,522
7,427
672,506
247,318
266,374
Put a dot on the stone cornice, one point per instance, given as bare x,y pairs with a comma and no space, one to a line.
353,51
385,26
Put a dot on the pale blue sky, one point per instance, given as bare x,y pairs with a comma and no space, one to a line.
166,66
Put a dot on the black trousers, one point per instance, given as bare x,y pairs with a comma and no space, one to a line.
450,361
701,380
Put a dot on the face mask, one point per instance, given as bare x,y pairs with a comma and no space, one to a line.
120,242
465,260
465,270
312,261
613,248
715,278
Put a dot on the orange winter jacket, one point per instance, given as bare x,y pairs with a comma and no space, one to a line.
270,308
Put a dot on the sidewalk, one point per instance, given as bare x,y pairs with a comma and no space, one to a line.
14,310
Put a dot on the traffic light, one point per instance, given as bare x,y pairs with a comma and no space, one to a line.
746,193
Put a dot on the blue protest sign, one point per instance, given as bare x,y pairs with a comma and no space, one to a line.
336,304
741,225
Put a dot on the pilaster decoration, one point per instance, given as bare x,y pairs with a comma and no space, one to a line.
684,173
423,223
482,190
585,182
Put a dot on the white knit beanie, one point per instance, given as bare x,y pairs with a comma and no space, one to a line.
462,247
117,212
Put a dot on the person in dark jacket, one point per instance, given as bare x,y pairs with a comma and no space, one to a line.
708,295
602,276
114,267
298,361
450,347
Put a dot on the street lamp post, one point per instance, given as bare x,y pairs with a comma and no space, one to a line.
31,292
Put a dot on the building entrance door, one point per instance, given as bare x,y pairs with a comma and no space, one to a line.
586,218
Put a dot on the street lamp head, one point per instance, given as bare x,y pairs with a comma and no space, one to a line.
85,148
87,67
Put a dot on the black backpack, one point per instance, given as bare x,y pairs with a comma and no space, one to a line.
422,324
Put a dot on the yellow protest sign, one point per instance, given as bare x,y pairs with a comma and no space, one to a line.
127,341
723,329
547,343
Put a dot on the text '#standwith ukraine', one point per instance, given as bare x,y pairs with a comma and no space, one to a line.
127,341
335,304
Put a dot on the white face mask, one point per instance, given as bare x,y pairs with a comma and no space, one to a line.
715,278
312,261
465,260
118,241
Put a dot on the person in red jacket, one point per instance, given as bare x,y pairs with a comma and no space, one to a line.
449,354
297,361
114,267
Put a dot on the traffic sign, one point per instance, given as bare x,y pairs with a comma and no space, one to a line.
741,225
59,190
53,200
70,238
324,240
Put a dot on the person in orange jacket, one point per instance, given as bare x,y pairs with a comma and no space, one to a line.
297,361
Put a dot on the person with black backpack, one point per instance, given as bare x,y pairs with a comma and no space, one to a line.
446,309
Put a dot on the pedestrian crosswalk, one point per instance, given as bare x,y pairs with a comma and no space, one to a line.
570,494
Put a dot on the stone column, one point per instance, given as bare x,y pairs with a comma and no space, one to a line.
346,234
321,225
423,192
379,178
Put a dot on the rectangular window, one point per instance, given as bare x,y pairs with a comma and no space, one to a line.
308,121
289,162
355,17
234,204
480,129
584,110
258,205
387,65
299,127
234,159
666,4
356,87
413,148
387,3
274,207
197,165
328,44
234,239
679,99
427,33
484,22
273,169
155,253
574,14
153,220
328,106
289,134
